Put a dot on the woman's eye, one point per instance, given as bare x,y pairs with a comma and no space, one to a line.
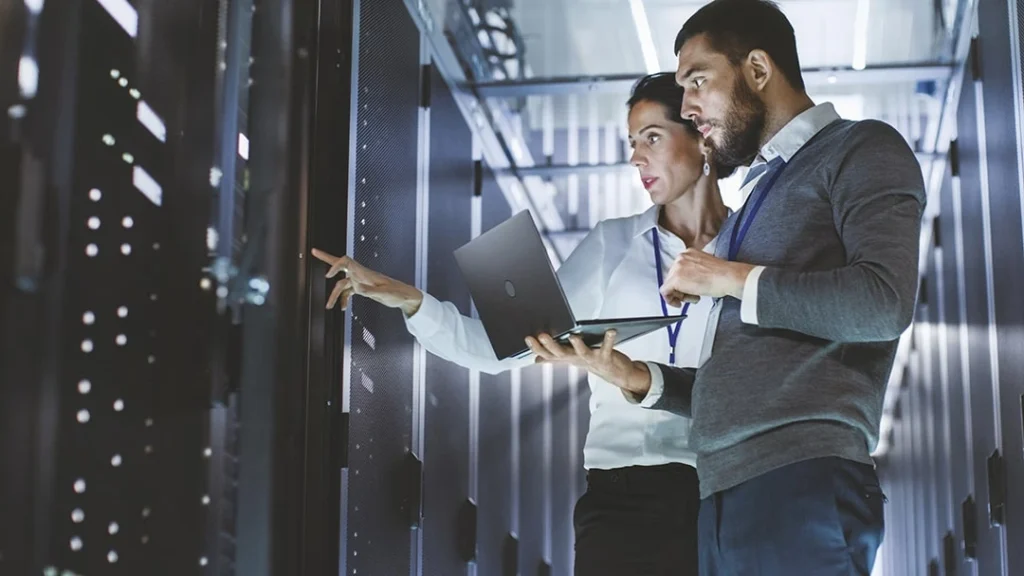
653,138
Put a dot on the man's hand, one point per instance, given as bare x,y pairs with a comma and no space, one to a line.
365,282
606,362
696,273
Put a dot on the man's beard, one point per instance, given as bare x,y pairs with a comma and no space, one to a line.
742,129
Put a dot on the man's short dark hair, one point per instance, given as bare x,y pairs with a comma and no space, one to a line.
736,27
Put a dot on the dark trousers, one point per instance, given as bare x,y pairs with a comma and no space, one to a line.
822,517
638,521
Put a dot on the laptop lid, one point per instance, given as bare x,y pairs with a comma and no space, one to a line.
513,285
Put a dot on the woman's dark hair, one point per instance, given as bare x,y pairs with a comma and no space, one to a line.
662,89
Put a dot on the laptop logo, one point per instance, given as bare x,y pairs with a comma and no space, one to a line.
510,289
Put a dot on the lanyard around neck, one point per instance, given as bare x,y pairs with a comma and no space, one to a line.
673,330
761,190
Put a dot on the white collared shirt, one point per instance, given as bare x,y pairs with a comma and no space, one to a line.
785,144
611,274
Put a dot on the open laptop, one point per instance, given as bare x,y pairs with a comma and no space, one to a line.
517,293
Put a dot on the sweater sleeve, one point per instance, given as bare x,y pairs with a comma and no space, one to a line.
878,198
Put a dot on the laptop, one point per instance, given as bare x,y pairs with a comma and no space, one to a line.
517,293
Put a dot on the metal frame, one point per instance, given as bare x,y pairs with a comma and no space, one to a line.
564,170
622,83
419,386
498,140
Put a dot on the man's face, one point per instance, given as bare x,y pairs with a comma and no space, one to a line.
728,113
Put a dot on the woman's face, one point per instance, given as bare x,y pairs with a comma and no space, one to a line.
666,153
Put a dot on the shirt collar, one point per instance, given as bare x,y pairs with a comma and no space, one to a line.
647,221
798,131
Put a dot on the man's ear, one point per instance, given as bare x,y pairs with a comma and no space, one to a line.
759,69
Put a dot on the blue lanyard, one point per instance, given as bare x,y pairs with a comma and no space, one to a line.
673,330
739,229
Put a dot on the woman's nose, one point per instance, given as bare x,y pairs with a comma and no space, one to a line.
637,159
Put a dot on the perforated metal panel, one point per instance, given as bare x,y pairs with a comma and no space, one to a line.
384,232
977,319
446,410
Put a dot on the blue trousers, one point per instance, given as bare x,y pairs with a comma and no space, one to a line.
821,517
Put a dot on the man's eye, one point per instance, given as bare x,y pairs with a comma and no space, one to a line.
698,82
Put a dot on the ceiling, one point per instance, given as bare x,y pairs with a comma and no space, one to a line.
595,37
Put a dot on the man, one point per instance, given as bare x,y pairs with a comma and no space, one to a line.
814,280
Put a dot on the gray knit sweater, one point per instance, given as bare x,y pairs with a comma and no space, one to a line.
839,236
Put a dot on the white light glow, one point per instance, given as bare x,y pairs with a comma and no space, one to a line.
34,6
147,185
124,14
28,76
643,30
151,121
243,146
860,35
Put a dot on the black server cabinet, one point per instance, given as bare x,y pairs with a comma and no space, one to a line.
1001,92
497,551
383,491
446,409
977,319
106,345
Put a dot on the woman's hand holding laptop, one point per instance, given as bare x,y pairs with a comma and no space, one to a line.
605,362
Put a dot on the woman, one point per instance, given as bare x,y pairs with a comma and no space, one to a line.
639,513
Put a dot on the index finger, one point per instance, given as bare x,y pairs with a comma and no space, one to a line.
324,256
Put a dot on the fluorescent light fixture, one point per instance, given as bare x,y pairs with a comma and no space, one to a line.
148,118
243,146
860,35
124,14
28,76
643,30
147,185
